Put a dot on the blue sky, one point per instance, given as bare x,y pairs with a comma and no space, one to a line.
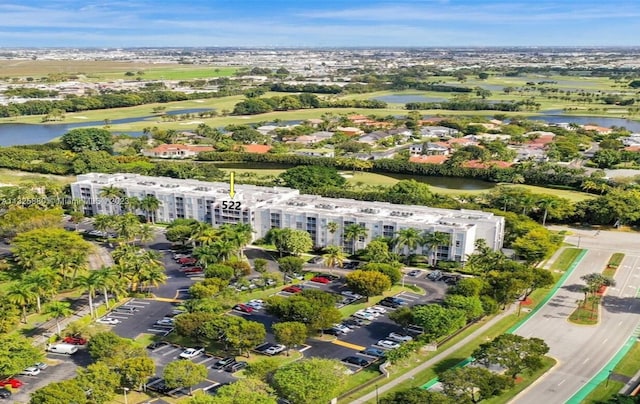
292,23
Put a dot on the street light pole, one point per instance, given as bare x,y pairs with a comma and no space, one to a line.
124,391
377,398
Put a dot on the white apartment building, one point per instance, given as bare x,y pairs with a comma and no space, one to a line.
277,207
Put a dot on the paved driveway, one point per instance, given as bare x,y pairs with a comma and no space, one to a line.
582,351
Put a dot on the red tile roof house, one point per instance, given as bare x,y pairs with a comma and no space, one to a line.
176,151
256,148
434,159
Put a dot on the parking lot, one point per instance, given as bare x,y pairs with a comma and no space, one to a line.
139,316
166,354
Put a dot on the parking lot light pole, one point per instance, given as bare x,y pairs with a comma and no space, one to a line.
124,391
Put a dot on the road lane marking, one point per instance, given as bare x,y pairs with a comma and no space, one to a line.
605,340
563,380
585,361
348,345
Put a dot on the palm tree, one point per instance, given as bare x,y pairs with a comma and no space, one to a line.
354,232
107,279
90,283
146,233
410,238
43,282
103,223
59,310
130,204
150,204
239,234
205,234
333,256
547,203
113,195
332,227
127,227
434,240
21,295
154,276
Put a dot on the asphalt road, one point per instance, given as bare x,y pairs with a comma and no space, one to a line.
583,351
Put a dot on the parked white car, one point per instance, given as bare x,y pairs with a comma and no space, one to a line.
31,371
363,315
191,353
385,343
165,321
274,350
373,312
379,309
108,321
256,304
342,328
394,336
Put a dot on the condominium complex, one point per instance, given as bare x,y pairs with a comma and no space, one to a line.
265,208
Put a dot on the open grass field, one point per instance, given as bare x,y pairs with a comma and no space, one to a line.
173,72
91,70
41,68
15,177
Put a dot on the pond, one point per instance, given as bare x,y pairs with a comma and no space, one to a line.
633,126
405,98
455,183
12,134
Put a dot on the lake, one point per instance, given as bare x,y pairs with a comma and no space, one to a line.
12,134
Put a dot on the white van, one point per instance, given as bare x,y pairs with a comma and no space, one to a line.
66,349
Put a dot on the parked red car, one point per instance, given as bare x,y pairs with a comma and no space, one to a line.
243,308
292,289
194,270
74,340
187,260
320,279
13,382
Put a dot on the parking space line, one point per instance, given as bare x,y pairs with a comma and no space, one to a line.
173,351
139,302
348,345
305,348
210,358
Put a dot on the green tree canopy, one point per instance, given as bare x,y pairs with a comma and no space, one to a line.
65,392
184,374
17,353
306,178
368,283
87,139
241,392
409,192
290,333
473,383
515,353
313,380
438,321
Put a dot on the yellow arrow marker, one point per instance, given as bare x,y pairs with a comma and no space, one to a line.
232,184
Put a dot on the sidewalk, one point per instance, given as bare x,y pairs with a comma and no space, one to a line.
431,362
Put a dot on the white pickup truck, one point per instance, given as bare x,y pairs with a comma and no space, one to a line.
66,349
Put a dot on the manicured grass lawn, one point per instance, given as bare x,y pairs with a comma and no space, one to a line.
573,196
143,340
358,379
586,314
565,259
628,366
615,260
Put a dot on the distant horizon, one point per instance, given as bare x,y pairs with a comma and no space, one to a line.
320,24
458,47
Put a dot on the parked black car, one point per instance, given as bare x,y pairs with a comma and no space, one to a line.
5,393
356,360
156,345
